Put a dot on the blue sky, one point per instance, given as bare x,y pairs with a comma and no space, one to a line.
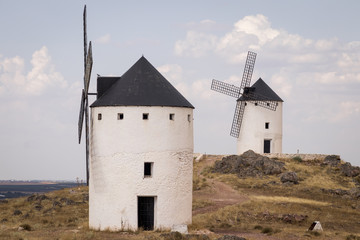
308,52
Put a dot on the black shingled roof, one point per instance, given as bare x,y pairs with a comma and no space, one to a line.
263,92
141,85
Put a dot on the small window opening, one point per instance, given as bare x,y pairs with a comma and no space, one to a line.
256,104
172,116
148,169
120,116
99,116
267,104
189,118
267,125
145,116
245,103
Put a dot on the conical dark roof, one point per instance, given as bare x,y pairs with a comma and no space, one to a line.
262,92
141,85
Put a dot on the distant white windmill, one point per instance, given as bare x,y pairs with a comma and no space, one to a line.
261,129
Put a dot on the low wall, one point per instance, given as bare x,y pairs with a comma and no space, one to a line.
303,156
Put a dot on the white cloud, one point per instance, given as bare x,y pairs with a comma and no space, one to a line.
346,110
36,81
172,72
195,45
104,39
201,88
281,84
257,25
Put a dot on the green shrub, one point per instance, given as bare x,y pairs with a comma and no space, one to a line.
267,230
297,159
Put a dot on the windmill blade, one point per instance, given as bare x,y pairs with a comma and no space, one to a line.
225,88
81,115
238,116
85,38
248,70
88,67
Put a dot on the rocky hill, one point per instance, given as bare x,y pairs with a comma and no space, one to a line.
235,197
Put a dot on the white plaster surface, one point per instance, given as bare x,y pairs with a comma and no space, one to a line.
253,132
119,149
183,229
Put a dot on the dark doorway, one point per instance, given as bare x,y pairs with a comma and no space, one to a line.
146,213
267,146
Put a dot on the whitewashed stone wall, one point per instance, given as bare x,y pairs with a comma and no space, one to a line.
253,132
119,149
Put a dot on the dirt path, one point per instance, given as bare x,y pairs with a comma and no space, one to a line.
219,193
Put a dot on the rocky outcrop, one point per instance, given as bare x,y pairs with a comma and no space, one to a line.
249,164
332,160
289,177
349,170
287,218
352,193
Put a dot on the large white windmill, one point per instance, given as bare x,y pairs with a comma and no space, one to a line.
254,126
139,150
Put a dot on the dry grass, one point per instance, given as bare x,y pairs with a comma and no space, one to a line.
270,199
284,200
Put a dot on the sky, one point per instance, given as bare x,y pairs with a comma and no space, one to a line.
308,52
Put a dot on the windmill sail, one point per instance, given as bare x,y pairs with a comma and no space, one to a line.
238,116
225,88
248,70
81,115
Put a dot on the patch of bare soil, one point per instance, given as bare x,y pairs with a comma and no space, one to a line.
219,193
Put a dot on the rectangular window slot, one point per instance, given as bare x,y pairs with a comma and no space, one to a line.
267,124
145,116
120,116
189,118
148,169
172,116
99,116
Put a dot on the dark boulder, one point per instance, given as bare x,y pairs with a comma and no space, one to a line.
349,170
17,212
248,164
355,192
332,160
293,218
38,207
289,177
57,204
